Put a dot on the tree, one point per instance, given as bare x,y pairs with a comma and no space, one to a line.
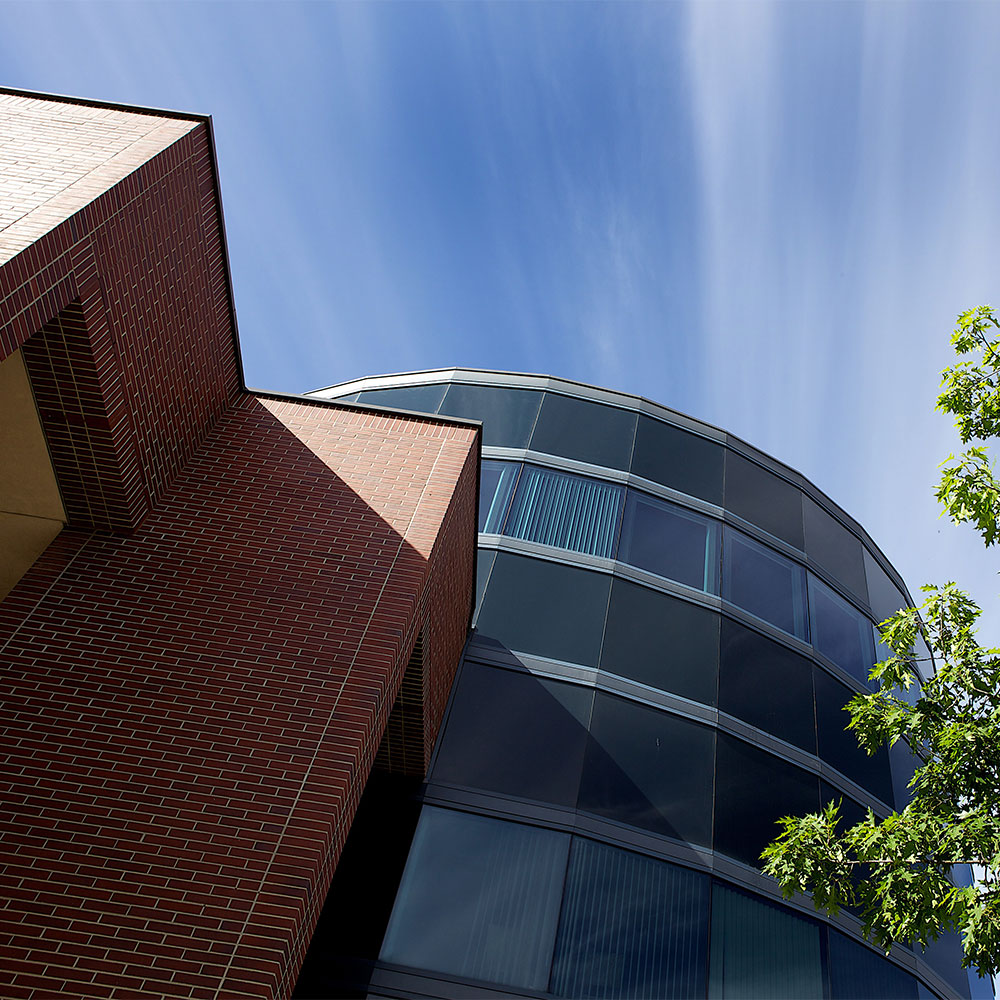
896,870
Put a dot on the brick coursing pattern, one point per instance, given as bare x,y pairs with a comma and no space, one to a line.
194,680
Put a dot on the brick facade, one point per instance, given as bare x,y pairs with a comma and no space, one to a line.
198,671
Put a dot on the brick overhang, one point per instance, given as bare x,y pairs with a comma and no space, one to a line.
196,674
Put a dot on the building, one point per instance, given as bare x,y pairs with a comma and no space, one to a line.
230,624
668,626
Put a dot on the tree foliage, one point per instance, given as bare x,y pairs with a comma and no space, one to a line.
897,870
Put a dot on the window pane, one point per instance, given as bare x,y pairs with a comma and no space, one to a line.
536,606
669,541
752,790
507,414
515,734
766,685
649,768
484,563
760,949
420,398
679,459
838,745
763,583
840,632
569,512
835,548
496,484
479,898
858,973
662,641
586,431
763,499
944,956
884,597
630,927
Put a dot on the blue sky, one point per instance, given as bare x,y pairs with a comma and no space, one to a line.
764,215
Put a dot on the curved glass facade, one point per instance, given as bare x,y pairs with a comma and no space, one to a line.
668,626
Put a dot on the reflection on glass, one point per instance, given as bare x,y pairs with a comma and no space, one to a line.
630,927
671,542
650,769
515,734
760,949
884,597
676,458
763,499
420,398
484,563
840,632
858,973
567,511
584,430
763,583
835,548
479,898
508,415
496,484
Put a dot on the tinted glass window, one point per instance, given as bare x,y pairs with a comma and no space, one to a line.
669,541
650,769
507,414
752,790
678,459
589,432
662,641
484,563
479,898
858,973
763,583
515,734
420,398
496,485
835,548
944,956
884,597
760,949
840,632
763,499
567,511
766,685
838,746
542,607
631,927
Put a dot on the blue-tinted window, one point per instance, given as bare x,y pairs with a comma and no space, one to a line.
566,511
508,415
589,432
630,927
676,458
479,899
496,484
858,973
484,564
420,398
840,632
763,583
835,548
670,541
761,949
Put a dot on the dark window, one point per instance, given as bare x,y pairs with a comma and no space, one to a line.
566,511
484,563
753,789
496,485
662,641
944,956
763,499
858,973
630,927
649,768
507,414
761,949
835,548
766,685
480,899
676,458
884,597
419,398
763,583
838,746
669,541
840,632
903,762
536,606
586,431
515,734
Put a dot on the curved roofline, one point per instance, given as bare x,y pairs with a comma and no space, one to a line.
626,400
